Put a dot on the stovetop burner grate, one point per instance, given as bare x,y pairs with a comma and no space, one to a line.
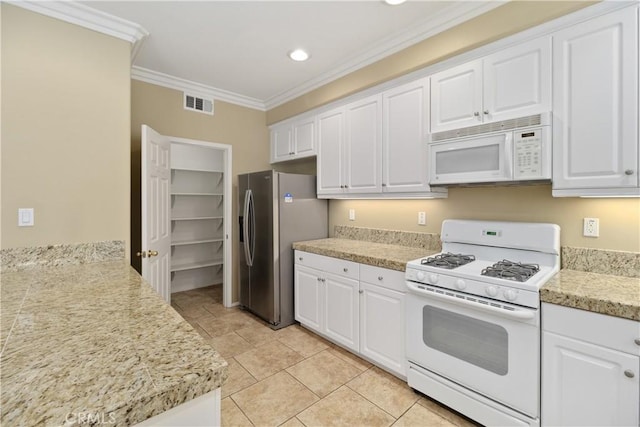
448,260
511,270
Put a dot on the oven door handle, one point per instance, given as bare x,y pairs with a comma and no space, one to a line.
524,314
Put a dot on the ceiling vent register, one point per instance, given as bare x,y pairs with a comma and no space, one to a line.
520,122
195,103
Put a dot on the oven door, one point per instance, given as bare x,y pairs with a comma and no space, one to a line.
488,347
486,158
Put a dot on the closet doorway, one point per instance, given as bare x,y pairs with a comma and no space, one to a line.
186,214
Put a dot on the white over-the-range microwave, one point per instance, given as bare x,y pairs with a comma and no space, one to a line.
512,151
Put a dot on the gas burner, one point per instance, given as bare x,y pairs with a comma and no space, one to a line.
448,260
511,270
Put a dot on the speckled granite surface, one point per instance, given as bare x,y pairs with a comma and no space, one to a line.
394,257
17,259
618,263
96,338
427,241
600,293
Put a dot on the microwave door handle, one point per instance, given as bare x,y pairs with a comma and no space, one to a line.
509,159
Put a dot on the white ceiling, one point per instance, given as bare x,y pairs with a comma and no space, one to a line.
241,46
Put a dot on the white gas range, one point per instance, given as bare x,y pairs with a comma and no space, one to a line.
473,321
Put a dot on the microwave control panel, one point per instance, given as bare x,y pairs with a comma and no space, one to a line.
528,154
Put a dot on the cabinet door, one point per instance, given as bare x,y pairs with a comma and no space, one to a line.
382,327
304,138
330,152
281,143
585,384
363,154
404,145
517,81
595,103
308,297
456,97
341,310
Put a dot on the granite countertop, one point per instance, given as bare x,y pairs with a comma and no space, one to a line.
600,293
97,339
394,257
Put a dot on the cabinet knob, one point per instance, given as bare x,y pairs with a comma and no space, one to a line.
628,172
629,373
299,258
477,114
361,291
345,269
637,341
384,185
486,112
380,277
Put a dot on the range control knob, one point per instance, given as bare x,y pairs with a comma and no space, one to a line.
420,275
433,279
492,291
510,294
460,284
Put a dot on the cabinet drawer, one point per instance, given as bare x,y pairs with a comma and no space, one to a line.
608,331
390,279
327,264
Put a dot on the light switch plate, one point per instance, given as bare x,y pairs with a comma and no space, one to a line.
25,217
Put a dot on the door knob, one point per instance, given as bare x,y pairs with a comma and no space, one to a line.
141,254
152,253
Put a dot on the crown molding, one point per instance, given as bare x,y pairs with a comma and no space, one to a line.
88,17
177,83
453,15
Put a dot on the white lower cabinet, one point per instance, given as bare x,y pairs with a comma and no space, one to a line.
590,369
357,306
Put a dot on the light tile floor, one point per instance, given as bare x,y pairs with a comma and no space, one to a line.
292,377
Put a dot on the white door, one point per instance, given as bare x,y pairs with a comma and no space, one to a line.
330,152
404,145
587,385
517,81
595,103
456,97
304,137
363,153
308,297
156,235
382,327
280,143
341,310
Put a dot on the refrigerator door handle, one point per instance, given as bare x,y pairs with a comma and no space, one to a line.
245,227
249,221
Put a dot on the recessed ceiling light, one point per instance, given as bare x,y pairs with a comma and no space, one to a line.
298,55
394,2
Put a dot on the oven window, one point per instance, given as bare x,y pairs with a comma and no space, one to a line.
480,343
473,159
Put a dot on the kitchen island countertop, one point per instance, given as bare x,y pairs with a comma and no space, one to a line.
393,257
96,340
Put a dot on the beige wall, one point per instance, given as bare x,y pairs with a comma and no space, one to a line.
619,218
498,23
65,131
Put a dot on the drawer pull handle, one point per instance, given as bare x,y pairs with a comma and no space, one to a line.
380,278
629,373
637,341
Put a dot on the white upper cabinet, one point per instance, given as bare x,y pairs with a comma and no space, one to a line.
363,148
514,82
404,138
293,140
595,107
330,152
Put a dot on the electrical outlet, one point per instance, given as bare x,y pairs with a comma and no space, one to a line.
422,218
591,227
352,214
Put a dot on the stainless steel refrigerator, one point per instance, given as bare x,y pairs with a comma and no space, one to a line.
276,209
